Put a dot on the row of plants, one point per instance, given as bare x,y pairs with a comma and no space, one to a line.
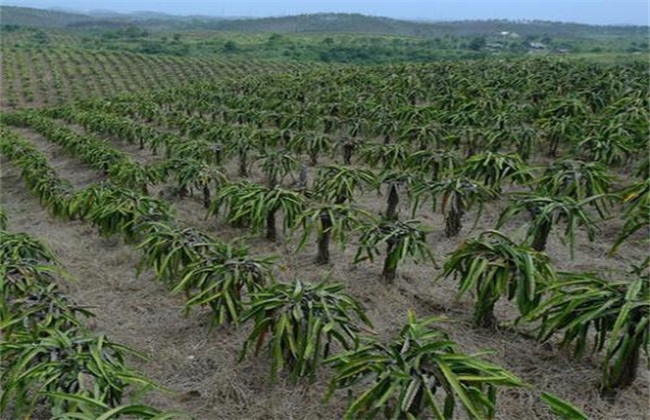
52,365
303,322
255,206
202,300
90,150
577,183
570,185
224,275
487,167
109,207
570,193
181,166
72,73
303,327
492,266
256,142
525,105
564,188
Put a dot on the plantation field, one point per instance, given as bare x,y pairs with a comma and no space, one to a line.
48,64
319,174
39,73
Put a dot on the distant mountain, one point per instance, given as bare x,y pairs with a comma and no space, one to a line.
144,16
57,18
309,23
25,16
357,23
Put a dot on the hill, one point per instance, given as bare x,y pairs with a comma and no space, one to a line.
357,23
310,23
25,16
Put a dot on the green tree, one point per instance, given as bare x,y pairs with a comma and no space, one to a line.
22,246
617,312
89,408
276,165
388,156
194,173
114,210
402,239
224,282
230,47
636,214
396,180
493,266
313,144
477,43
42,307
256,206
299,323
416,375
331,222
337,184
74,367
457,195
434,163
547,211
168,250
131,175
492,169
576,179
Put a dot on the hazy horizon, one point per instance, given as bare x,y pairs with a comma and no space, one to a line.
603,12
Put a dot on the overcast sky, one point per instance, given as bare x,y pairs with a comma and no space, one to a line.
584,11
